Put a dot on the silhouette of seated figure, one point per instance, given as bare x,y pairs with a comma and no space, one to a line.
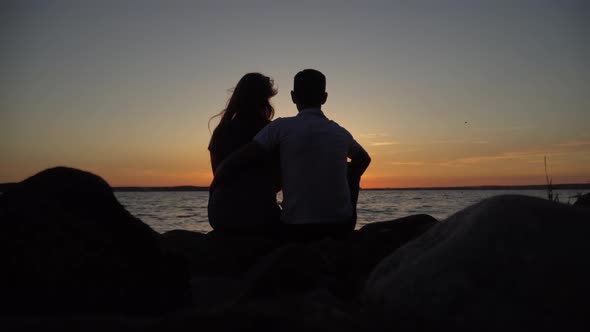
247,203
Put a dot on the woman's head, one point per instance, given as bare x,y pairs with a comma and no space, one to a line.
250,99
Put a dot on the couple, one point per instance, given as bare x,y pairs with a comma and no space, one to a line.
305,156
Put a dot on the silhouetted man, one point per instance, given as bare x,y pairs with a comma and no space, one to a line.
319,187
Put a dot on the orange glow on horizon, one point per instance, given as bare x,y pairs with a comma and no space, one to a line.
568,162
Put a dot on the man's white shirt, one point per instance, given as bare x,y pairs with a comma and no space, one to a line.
313,152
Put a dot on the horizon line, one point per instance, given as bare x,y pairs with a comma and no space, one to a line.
474,187
485,186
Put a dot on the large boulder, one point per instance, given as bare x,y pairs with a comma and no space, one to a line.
583,200
506,263
378,240
69,245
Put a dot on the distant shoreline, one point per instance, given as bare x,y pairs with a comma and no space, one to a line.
176,188
567,186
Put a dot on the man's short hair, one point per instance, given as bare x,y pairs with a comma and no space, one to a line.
310,86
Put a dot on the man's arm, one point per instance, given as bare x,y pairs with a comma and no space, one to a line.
359,159
237,162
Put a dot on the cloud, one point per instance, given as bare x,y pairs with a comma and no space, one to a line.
504,129
448,141
408,163
458,141
502,156
384,143
374,135
404,151
573,144
533,156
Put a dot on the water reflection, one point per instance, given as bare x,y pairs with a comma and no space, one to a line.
165,211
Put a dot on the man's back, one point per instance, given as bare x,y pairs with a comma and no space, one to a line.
314,153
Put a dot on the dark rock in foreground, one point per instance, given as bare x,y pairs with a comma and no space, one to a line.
378,240
69,245
73,256
216,254
506,263
256,284
583,200
269,266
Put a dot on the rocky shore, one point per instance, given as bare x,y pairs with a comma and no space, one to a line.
74,258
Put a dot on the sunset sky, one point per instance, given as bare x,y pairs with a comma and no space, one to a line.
440,93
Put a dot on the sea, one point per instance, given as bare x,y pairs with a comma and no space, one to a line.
187,210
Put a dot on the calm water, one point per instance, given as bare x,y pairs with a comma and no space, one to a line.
166,211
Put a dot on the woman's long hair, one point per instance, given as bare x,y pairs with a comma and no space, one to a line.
250,100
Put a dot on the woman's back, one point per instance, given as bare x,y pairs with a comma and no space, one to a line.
249,202
231,136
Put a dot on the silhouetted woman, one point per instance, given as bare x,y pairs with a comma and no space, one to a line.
248,203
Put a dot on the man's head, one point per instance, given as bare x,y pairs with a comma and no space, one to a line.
309,89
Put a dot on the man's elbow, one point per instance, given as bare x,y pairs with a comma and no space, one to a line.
365,160
360,163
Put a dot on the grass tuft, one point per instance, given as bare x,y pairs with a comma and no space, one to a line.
554,197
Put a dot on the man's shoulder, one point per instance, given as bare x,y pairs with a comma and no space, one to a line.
338,127
284,119
270,135
282,122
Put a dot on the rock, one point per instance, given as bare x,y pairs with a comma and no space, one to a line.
583,200
217,294
218,254
290,270
506,263
314,311
69,245
190,245
87,322
273,267
338,265
378,240
282,291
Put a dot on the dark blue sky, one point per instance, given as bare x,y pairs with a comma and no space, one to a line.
125,88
